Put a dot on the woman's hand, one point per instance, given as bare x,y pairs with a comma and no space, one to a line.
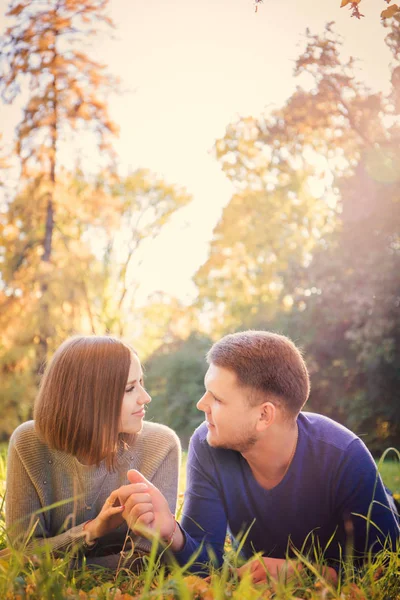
111,515
108,519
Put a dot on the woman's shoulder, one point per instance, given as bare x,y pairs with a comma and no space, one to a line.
24,433
156,433
156,447
26,440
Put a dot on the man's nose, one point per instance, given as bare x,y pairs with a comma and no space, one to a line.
202,404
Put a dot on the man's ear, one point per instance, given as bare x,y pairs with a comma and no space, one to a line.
267,416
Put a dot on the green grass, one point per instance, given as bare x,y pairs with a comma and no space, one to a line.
390,473
44,577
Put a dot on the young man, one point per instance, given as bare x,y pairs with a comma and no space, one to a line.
289,480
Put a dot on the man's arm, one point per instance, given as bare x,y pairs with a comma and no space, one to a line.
362,503
204,520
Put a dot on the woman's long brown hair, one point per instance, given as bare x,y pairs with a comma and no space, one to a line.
79,403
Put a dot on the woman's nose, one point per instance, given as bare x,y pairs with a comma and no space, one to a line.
145,397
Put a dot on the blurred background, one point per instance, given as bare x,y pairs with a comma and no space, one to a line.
174,171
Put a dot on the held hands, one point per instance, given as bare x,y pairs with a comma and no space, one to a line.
112,514
146,510
108,519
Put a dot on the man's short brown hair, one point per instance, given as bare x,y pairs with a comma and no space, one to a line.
78,407
268,364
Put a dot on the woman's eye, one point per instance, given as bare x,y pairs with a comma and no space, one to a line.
130,389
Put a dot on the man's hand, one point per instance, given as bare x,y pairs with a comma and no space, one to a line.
265,568
147,512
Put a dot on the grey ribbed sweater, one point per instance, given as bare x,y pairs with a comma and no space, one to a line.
38,477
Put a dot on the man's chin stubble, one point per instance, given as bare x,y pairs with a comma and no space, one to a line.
242,447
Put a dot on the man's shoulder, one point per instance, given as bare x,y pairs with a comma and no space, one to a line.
323,430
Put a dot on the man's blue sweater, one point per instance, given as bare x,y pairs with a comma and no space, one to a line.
331,498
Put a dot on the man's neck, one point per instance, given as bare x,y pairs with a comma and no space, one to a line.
271,456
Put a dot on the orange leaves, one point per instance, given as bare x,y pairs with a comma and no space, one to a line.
353,592
67,87
390,11
353,6
346,2
17,10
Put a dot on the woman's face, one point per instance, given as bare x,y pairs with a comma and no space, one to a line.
135,400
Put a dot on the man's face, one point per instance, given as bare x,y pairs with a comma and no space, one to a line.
230,419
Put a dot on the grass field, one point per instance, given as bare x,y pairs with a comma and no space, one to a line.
390,473
43,577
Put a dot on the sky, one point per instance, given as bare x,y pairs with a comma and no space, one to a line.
190,67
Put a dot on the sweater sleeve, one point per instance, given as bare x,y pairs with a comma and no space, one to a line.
362,503
204,521
27,520
167,476
163,473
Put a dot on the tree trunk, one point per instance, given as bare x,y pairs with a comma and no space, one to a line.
45,325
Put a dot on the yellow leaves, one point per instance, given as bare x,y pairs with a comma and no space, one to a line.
390,11
346,2
199,587
353,592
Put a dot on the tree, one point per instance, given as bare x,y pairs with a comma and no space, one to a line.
355,342
354,6
337,292
66,92
92,217
146,203
163,320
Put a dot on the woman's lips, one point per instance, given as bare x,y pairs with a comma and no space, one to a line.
139,413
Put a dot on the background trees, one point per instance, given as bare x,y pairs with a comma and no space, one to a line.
308,244
65,91
67,235
354,6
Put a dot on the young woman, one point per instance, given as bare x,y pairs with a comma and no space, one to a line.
67,474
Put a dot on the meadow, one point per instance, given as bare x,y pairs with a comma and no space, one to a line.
43,577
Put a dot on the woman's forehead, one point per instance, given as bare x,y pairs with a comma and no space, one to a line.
135,369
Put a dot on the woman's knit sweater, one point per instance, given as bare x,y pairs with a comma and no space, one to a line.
38,478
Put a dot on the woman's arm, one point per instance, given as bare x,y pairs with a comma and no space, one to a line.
28,521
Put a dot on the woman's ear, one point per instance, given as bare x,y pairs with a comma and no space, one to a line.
267,416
